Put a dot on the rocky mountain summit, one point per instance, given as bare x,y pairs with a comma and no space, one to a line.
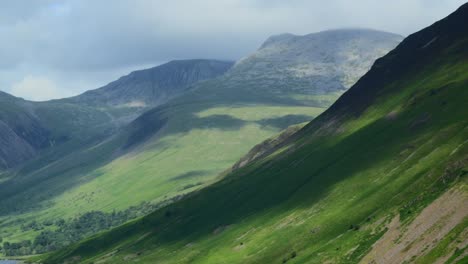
316,63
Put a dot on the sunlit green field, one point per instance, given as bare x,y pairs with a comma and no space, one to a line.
169,164
189,152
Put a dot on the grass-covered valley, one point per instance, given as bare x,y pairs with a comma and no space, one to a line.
341,146
142,151
379,177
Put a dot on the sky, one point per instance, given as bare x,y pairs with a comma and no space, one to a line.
55,49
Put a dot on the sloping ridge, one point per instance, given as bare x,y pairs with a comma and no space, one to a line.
154,86
390,146
416,51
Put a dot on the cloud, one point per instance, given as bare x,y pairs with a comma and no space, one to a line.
37,88
83,42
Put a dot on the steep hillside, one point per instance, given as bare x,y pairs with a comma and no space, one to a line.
29,128
21,134
380,177
167,152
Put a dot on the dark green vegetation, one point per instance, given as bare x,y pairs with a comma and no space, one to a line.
59,233
383,171
157,134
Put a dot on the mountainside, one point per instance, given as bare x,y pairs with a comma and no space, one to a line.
380,177
155,86
304,70
329,61
27,128
167,152
21,134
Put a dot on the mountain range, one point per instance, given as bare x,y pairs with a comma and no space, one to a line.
154,136
379,177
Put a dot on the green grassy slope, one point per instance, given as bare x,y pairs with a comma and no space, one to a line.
387,149
211,126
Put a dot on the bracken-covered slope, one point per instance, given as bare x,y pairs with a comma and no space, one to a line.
380,177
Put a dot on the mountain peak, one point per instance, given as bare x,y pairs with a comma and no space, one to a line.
328,61
330,34
277,38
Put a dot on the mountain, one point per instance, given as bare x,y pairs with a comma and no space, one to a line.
20,132
329,61
379,177
155,86
28,128
168,151
303,70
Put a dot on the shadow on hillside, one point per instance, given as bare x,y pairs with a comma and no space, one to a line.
292,180
284,121
34,189
300,179
190,174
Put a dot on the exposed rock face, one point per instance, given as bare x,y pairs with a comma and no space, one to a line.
316,63
155,86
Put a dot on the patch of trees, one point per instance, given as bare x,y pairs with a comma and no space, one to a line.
59,233
14,249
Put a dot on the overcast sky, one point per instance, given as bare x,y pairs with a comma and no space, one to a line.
54,49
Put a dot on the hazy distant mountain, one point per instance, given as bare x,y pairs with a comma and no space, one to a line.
316,63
